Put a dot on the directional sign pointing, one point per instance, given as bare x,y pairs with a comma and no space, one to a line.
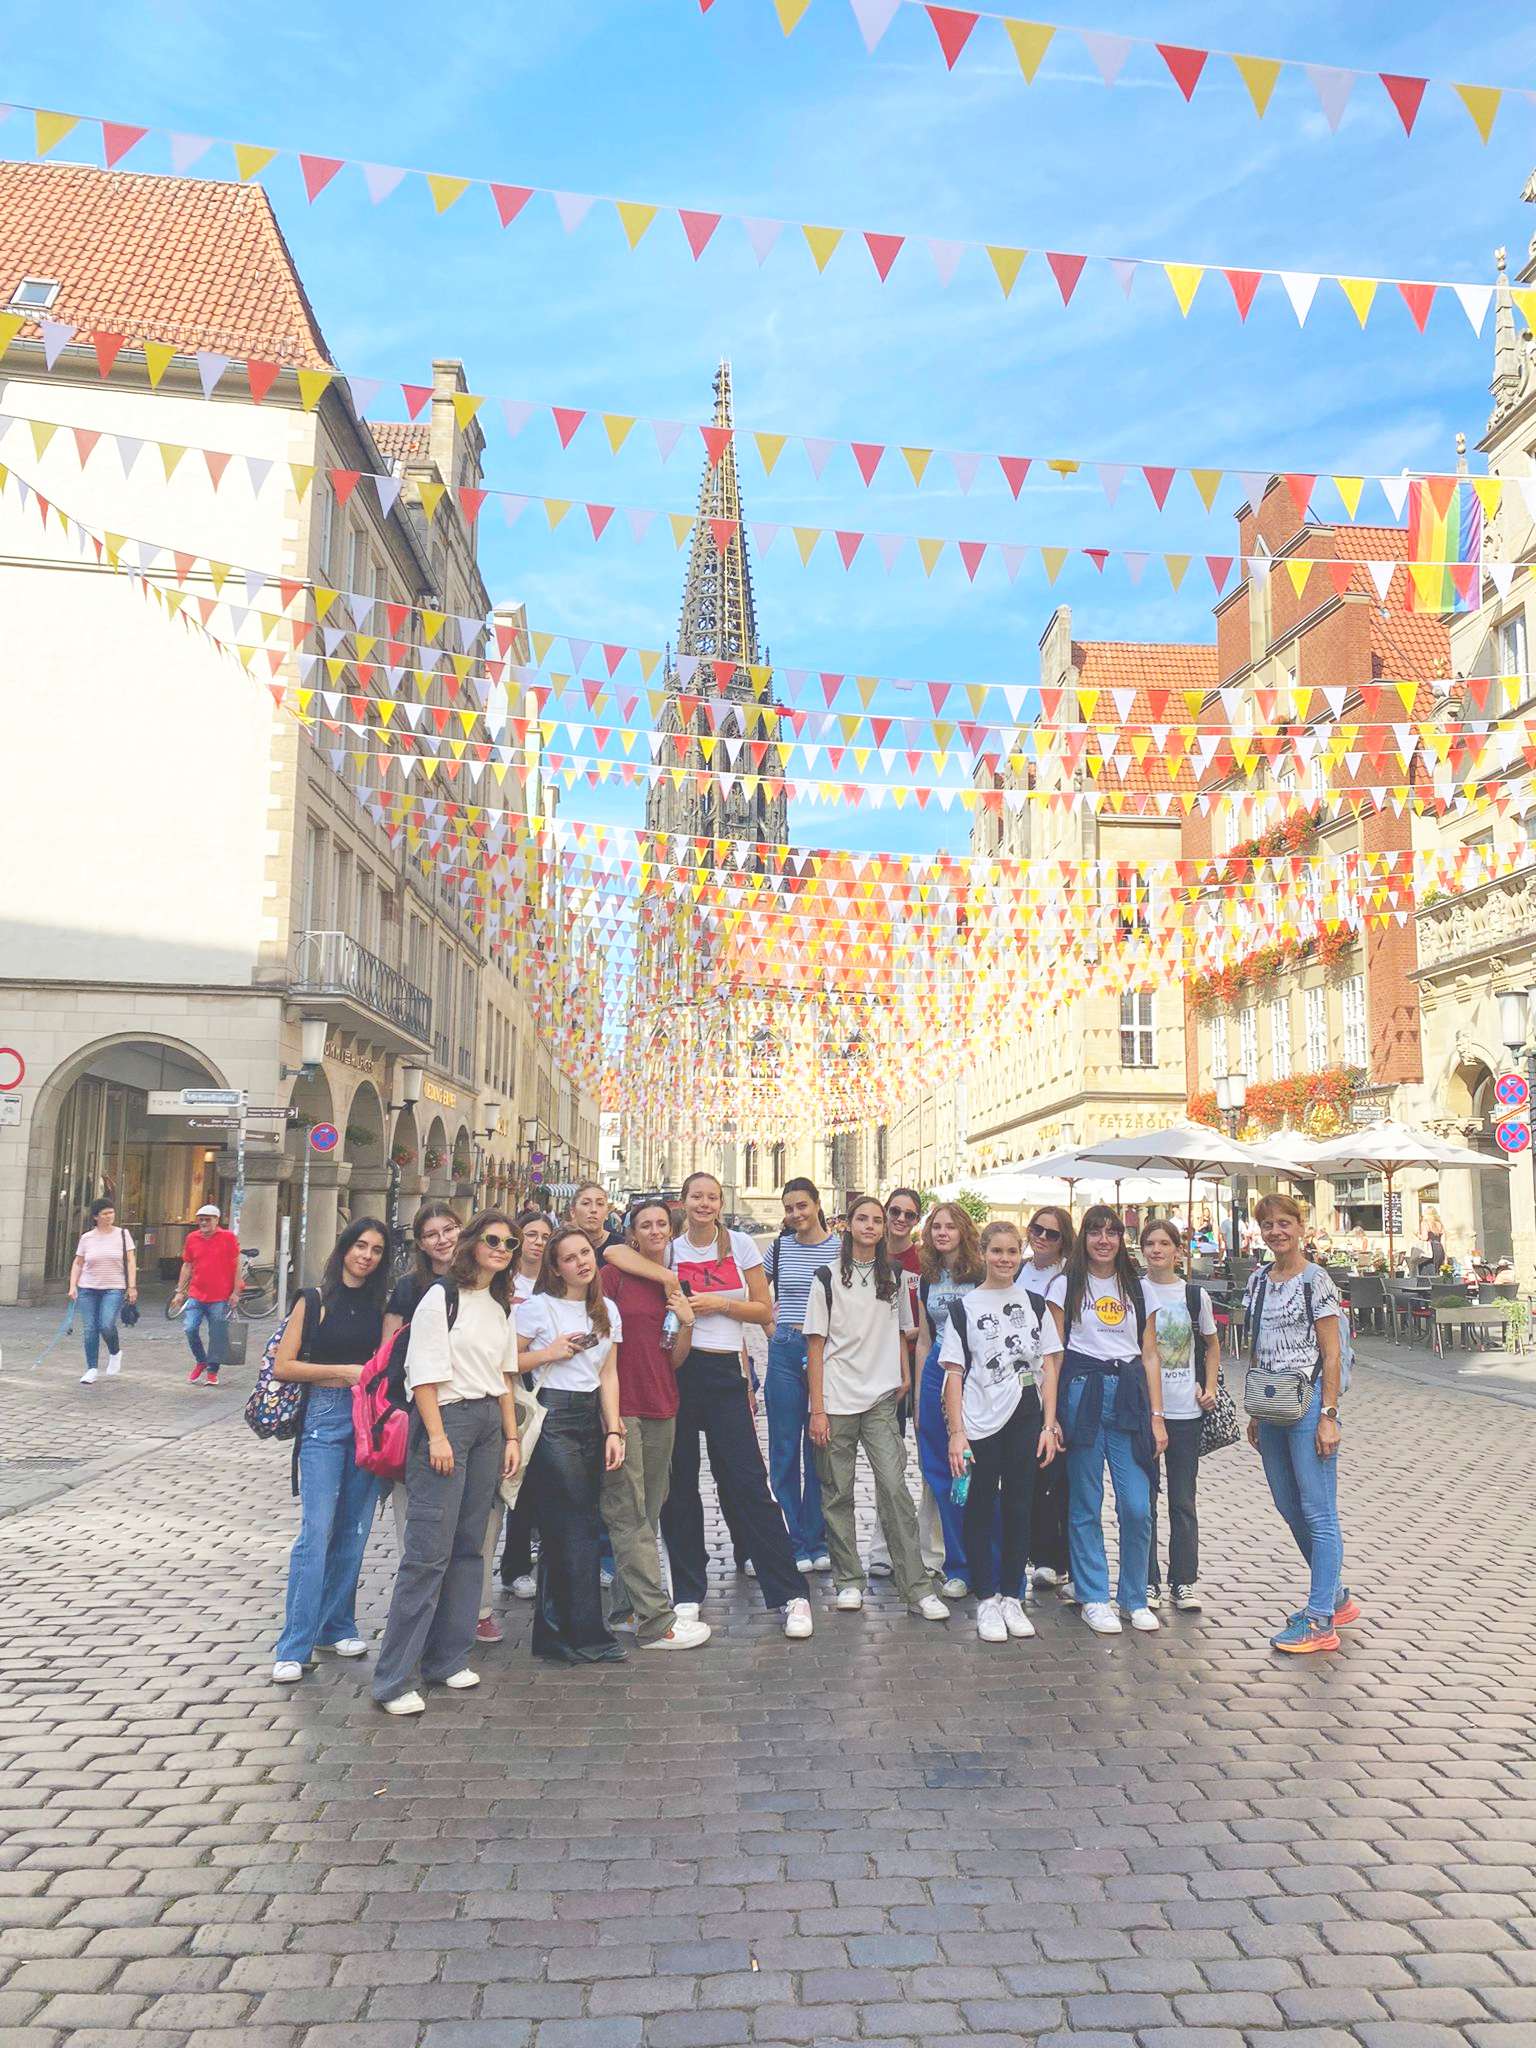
324,1138
1513,1135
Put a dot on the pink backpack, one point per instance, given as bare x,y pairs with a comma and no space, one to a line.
381,1410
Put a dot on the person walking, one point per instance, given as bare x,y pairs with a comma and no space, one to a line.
104,1275
1101,1390
635,1492
804,1244
1180,1312
535,1228
568,1334
990,1355
1050,1238
463,1438
331,1333
950,1266
207,1288
1295,1324
857,1322
721,1271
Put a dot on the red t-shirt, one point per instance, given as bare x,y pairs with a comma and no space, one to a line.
214,1261
647,1378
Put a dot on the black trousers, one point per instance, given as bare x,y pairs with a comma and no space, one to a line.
1006,1463
712,1404
1048,1517
564,1479
1181,1467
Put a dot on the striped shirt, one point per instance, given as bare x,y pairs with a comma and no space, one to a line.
790,1267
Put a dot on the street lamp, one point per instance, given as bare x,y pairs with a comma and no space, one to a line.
1515,1030
313,1032
410,1079
1231,1100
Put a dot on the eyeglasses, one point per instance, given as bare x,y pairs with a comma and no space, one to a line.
498,1244
902,1215
1045,1233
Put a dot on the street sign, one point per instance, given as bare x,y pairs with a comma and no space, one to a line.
211,1098
1513,1135
13,1068
214,1123
281,1112
324,1137
10,1109
1512,1091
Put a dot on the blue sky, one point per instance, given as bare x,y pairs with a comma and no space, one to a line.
646,98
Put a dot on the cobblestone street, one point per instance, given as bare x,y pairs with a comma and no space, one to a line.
889,1833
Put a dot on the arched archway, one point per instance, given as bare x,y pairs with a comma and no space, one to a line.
363,1135
434,1159
1470,1101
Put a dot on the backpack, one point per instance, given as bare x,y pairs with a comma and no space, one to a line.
381,1410
1260,1287
275,1410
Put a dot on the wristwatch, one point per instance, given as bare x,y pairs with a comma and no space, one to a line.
1331,1413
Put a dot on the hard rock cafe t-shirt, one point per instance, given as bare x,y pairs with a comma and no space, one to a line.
1106,1323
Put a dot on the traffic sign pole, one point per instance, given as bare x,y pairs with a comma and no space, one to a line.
304,1216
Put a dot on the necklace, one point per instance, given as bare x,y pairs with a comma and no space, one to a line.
863,1271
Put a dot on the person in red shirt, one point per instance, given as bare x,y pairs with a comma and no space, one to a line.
206,1290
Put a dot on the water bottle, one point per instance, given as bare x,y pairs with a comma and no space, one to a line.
960,1489
669,1326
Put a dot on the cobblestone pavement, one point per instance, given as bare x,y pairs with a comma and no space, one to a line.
889,1833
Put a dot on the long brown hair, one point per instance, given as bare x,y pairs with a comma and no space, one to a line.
464,1273
552,1281
722,1235
887,1276
967,1253
426,1273
1128,1278
1063,1221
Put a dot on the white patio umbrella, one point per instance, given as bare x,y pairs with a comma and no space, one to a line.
1288,1152
1194,1150
1391,1148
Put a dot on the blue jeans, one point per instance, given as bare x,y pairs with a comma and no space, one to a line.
98,1318
791,1467
1133,1509
217,1313
336,1501
933,1459
1306,1491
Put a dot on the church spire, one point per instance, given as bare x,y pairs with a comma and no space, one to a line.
719,618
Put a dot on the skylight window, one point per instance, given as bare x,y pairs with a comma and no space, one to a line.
34,295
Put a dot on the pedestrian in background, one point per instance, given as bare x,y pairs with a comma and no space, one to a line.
951,1265
804,1244
331,1333
104,1275
1188,1392
207,1288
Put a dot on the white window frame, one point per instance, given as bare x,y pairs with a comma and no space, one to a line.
1316,1017
1280,1037
1248,1042
1357,1048
1218,1029
1138,1028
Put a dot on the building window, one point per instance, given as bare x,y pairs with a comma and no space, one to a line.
1280,1038
341,892
1218,1048
34,295
1317,1029
1356,1051
1248,1042
314,876
749,1165
1511,644
777,1160
367,935
326,511
1137,1046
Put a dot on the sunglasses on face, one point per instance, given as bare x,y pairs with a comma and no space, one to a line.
496,1243
1045,1233
902,1215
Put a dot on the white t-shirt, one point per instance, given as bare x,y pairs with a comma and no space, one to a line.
862,1361
1106,1323
708,1274
522,1287
1006,1340
544,1317
468,1361
1285,1342
1183,1372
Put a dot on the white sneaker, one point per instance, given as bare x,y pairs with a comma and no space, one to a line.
750,1569
822,1561
405,1703
990,1625
114,1364
1068,1592
349,1646
286,1673
954,1589
1187,1599
850,1599
686,1610
682,1635
525,1586
1101,1618
929,1608
1154,1596
1144,1619
804,1564
1016,1621
797,1620
88,1377
461,1681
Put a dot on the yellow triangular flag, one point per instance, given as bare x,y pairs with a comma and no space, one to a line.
821,241
312,387
635,218
1185,279
542,643
1359,291
52,129
682,525
618,426
1299,572
1054,560
1525,305
250,161
157,358
790,13
1480,101
10,327
1030,40
1490,494
1007,263
1207,482
42,433
465,406
170,455
918,460
806,538
555,510
1349,489
1176,565
303,474
445,191
1259,75
930,550
431,496
769,448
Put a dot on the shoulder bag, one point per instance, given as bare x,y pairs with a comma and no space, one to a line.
1219,1426
128,1314
530,1421
1279,1397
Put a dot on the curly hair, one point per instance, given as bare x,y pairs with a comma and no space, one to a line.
967,1253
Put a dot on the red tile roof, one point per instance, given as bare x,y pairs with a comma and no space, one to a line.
1403,643
198,264
401,440
1151,669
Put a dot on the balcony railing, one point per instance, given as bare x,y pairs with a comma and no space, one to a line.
334,964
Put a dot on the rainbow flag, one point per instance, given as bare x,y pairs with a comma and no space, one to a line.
1445,541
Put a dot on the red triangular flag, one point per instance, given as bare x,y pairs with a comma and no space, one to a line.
1406,94
885,249
724,531
471,501
1066,270
598,517
107,346
117,140
1159,483
567,419
1220,567
1186,66
318,173
510,201
716,441
868,455
344,483
261,377
953,29
971,552
848,545
1441,490
1098,557
415,396
1015,468
1300,488
698,227
1418,298
1244,284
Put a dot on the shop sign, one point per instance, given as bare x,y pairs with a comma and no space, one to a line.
348,1056
443,1097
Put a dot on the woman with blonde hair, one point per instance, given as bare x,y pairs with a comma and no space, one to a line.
951,1265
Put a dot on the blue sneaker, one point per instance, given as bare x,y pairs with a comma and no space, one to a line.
1302,1635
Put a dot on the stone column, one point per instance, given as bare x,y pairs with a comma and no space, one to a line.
328,1180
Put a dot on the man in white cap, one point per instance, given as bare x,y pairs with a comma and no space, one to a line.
208,1285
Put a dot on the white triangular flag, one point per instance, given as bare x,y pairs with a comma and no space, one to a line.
1301,289
1333,88
381,180
874,18
573,208
1108,52
946,255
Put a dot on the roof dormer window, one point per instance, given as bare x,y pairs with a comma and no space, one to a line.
34,295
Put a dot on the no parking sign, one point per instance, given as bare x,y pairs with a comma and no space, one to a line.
1511,1091
1513,1135
324,1137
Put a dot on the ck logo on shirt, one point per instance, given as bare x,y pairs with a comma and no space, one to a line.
712,1276
1110,1310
